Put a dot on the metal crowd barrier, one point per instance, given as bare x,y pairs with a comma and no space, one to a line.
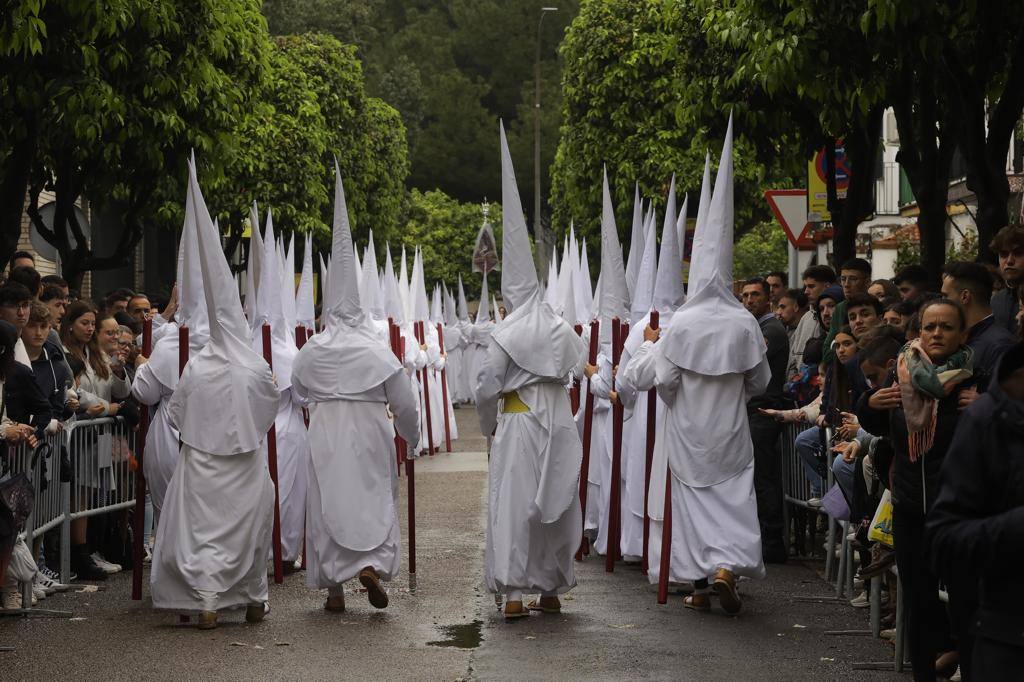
797,491
101,480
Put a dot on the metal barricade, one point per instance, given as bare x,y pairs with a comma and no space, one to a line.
42,465
795,485
102,456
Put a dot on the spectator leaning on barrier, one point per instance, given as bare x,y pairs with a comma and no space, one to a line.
976,528
970,284
764,430
918,411
81,341
52,374
1008,244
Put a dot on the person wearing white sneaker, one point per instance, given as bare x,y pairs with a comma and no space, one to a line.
107,567
54,579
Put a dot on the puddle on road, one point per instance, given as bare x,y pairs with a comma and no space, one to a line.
461,636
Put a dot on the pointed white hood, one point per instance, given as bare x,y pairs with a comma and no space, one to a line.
192,312
518,274
614,297
421,306
253,267
636,240
533,336
712,333
288,301
668,287
643,294
373,302
226,399
305,308
483,313
270,310
463,310
349,357
392,299
404,294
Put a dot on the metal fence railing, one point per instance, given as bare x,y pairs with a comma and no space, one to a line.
87,468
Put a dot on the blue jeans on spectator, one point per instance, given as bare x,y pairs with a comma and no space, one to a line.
808,446
844,474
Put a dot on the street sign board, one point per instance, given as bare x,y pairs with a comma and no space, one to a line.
790,209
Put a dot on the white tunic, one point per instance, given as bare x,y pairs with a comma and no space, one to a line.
704,439
534,522
161,456
214,533
292,464
351,511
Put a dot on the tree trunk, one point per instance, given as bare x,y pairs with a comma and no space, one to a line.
931,224
16,172
861,147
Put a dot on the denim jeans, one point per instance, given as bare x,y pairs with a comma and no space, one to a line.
808,446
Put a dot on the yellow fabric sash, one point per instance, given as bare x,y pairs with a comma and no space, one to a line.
511,403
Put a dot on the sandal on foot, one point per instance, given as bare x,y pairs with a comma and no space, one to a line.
376,594
697,601
546,605
514,609
728,596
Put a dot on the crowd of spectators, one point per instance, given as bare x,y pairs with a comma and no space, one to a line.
64,359
912,389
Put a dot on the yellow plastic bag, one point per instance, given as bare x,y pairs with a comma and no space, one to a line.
881,524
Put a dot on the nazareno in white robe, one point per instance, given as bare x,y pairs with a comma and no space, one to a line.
534,521
161,456
352,517
706,436
214,533
292,465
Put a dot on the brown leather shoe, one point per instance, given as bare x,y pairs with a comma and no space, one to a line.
514,609
725,586
698,601
207,620
546,605
335,603
371,581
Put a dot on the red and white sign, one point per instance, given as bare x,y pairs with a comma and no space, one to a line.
790,209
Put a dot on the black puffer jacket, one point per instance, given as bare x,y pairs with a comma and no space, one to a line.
976,526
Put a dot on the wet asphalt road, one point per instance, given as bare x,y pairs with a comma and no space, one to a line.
449,629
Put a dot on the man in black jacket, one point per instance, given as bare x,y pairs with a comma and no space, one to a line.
976,527
970,284
764,430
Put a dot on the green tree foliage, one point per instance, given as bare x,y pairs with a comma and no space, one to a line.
760,251
104,99
644,95
311,110
451,68
446,231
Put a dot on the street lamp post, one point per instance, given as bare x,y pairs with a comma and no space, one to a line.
539,236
